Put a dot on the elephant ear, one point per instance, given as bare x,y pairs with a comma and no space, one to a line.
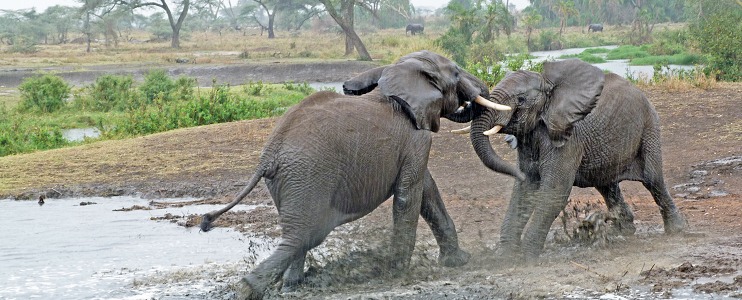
576,86
411,86
364,82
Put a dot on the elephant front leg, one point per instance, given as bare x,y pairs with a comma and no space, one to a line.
434,213
519,211
406,211
553,193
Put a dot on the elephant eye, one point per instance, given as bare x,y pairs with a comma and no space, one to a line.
521,99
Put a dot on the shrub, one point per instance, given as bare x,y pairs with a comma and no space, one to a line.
46,93
718,33
157,84
109,92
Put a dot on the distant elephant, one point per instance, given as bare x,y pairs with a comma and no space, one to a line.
333,158
595,27
575,126
414,28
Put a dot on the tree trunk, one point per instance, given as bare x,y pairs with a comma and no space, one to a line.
271,18
347,28
349,18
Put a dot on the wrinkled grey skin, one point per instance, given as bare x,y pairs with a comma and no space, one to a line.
575,126
414,29
333,158
595,28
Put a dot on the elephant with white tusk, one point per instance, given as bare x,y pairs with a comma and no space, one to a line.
575,126
333,158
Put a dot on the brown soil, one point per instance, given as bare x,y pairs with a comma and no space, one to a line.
699,127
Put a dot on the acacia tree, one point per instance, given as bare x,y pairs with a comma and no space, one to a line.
175,25
352,40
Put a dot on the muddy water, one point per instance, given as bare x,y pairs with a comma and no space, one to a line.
63,250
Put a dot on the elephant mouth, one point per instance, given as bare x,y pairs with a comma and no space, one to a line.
486,103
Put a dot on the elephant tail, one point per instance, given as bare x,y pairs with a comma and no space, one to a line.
208,218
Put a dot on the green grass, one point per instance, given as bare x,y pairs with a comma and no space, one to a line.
586,57
676,59
628,52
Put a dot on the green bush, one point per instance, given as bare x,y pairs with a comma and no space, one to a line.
157,84
717,32
47,93
303,88
17,136
108,92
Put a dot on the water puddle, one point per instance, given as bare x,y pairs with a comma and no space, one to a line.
620,67
64,250
79,134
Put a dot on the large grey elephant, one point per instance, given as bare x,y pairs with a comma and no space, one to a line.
595,28
333,158
414,29
575,126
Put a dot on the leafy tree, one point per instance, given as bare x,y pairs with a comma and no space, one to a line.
531,20
564,9
716,30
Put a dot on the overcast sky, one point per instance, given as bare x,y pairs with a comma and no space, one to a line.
41,5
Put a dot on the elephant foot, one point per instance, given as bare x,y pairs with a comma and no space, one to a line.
674,223
625,228
249,291
454,258
508,255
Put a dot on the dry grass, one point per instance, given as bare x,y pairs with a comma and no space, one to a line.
229,47
194,150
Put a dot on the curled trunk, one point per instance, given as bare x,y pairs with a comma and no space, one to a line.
481,143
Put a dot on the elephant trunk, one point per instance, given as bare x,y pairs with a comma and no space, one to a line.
481,142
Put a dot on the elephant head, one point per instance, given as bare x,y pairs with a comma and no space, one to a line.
558,97
427,86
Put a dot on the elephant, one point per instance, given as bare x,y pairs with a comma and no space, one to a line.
334,158
595,28
575,126
414,28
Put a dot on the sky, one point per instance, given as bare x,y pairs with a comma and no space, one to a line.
41,5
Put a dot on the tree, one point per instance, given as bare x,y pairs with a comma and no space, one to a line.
175,24
715,29
564,9
352,40
531,20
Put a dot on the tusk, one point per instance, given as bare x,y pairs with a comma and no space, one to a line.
493,130
464,130
490,104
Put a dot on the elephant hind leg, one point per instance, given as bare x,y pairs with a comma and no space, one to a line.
294,275
286,259
618,208
653,180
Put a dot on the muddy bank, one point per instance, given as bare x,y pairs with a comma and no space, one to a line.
234,74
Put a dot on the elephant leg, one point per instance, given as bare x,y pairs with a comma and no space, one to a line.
617,207
406,212
654,182
434,213
294,275
519,211
556,184
297,239
673,221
